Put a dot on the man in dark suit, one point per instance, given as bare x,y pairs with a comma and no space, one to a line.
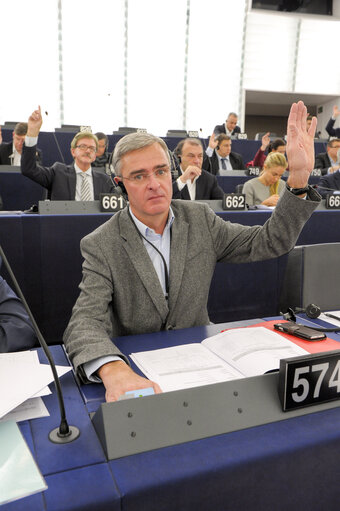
329,183
333,132
329,162
16,330
194,182
229,127
221,157
10,152
78,181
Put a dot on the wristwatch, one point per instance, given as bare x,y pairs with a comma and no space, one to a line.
299,191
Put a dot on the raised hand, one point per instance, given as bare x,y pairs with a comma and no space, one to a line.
265,141
34,123
300,146
212,142
336,111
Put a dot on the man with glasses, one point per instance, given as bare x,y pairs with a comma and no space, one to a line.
150,266
78,181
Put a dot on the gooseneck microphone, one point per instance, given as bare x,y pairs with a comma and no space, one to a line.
64,433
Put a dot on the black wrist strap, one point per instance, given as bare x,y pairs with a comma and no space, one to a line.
298,191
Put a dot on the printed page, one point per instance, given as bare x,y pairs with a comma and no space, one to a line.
185,366
252,351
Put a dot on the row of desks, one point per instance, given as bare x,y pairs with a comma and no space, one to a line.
20,193
290,464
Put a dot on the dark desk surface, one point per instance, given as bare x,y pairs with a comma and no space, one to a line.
291,464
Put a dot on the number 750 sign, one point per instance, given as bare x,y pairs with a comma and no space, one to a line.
310,379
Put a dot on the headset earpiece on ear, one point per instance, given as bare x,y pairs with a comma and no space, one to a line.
217,147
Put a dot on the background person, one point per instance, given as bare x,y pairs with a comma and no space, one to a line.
229,127
10,152
268,187
102,154
222,158
194,183
329,162
333,132
78,181
276,146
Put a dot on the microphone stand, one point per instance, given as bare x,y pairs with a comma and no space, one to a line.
64,433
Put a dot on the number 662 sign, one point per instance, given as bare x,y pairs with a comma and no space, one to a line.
310,379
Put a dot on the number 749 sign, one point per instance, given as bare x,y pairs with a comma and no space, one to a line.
310,379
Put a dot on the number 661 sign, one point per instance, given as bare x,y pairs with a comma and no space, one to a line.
310,379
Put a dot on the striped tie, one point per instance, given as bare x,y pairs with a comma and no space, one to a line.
85,193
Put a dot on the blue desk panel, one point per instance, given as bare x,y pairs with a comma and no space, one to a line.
291,464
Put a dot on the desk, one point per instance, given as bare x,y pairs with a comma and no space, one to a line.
291,464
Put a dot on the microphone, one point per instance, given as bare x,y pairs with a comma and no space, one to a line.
324,188
57,144
11,159
65,433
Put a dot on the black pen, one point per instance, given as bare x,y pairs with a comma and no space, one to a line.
332,316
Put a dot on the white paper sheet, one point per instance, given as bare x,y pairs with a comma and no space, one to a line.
21,377
229,355
31,409
333,321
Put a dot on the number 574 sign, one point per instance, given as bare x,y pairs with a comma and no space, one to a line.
310,379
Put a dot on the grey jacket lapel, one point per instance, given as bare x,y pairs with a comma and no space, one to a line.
134,247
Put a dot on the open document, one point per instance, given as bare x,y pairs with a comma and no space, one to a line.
233,354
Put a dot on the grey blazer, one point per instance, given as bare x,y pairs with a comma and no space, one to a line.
120,291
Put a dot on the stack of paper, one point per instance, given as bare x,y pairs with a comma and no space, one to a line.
22,380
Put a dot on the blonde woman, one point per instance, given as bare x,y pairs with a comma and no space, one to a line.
267,188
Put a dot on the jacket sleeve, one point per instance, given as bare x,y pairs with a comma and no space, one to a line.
16,330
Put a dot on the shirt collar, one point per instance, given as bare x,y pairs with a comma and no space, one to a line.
145,230
79,171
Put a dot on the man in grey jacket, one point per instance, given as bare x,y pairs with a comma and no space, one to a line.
150,266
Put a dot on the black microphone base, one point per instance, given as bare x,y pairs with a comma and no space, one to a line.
57,438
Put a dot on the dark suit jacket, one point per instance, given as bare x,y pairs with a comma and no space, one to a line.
6,149
332,132
207,188
235,160
220,128
16,331
331,181
60,179
322,162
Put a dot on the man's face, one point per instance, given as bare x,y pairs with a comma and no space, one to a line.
192,154
101,147
231,122
224,148
149,198
84,153
18,141
308,123
332,151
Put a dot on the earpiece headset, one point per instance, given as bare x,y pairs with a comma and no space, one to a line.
312,311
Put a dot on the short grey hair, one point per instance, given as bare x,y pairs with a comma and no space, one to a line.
133,142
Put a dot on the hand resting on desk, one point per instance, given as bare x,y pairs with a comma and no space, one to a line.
119,378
